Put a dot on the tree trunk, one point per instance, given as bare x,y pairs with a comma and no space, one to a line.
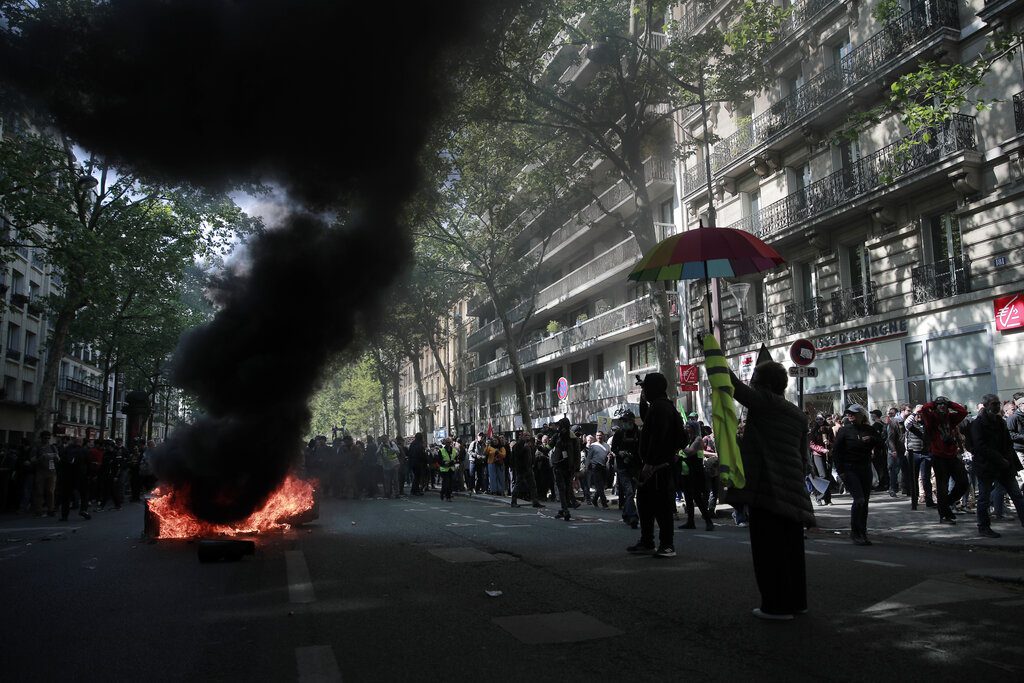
446,376
417,374
113,411
105,395
512,350
396,399
55,352
647,238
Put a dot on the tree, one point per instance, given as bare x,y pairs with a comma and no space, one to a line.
470,227
620,111
126,240
349,397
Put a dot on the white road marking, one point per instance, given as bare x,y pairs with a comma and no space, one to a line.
933,592
748,543
813,552
510,526
714,538
483,521
300,587
316,664
880,563
17,530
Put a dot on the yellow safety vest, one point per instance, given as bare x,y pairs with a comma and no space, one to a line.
447,460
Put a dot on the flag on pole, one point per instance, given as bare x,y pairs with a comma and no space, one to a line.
723,415
490,429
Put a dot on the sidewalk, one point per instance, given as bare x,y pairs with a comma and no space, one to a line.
893,518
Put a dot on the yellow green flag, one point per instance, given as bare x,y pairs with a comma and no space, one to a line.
723,415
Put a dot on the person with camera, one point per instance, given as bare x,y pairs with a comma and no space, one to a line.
563,445
660,438
995,461
625,449
941,418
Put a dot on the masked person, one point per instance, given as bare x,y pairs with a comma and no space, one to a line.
523,453
563,446
661,437
694,485
941,418
852,452
994,461
625,447
775,459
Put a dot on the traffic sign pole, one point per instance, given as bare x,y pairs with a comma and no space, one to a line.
800,388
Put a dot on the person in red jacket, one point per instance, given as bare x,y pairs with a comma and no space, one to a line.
941,417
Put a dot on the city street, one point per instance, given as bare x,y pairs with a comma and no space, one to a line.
417,589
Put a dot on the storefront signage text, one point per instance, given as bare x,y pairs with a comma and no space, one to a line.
861,335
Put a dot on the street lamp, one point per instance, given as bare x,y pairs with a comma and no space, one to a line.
87,182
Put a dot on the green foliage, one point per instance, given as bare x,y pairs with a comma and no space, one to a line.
887,10
350,396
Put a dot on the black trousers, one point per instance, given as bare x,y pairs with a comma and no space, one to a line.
67,485
946,469
446,484
777,547
695,490
857,480
656,501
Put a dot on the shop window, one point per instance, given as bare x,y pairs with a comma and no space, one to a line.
841,380
958,366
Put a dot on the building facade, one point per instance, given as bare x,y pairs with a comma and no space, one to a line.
901,250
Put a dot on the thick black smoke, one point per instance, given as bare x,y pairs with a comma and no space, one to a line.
330,99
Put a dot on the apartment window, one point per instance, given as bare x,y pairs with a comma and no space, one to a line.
13,338
579,372
805,282
858,268
599,367
62,408
754,210
839,50
31,343
10,388
27,392
944,239
17,283
665,224
642,355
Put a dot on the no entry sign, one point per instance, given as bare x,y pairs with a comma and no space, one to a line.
802,352
562,388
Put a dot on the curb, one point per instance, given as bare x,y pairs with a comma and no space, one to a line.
970,546
1015,576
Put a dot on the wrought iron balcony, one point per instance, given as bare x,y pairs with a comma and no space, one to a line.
801,14
871,172
1018,111
941,279
74,386
802,316
865,61
695,179
849,304
754,328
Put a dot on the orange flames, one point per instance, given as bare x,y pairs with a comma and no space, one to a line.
292,502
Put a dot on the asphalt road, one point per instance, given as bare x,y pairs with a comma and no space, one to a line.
394,590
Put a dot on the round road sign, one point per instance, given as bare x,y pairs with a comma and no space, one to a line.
802,352
562,388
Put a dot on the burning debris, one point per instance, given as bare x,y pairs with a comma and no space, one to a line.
168,512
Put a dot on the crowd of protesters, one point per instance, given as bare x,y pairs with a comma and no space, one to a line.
937,455
45,477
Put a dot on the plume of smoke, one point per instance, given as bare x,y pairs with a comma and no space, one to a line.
329,99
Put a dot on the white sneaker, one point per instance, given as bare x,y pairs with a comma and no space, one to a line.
771,617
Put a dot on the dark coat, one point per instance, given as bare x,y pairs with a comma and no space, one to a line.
1015,423
854,445
774,452
991,447
663,433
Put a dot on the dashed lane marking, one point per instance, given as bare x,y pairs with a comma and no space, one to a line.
511,526
810,552
880,563
300,586
317,664
933,592
714,538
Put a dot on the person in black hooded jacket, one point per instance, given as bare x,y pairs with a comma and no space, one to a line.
994,461
852,450
775,462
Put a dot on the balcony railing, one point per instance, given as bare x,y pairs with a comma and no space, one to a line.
629,314
861,63
625,252
868,173
695,179
754,329
14,354
801,14
73,386
802,316
579,392
852,303
940,280
1018,111
539,401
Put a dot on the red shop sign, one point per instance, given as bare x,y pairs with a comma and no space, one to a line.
1010,312
688,376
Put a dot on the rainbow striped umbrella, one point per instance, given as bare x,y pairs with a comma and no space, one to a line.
705,253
